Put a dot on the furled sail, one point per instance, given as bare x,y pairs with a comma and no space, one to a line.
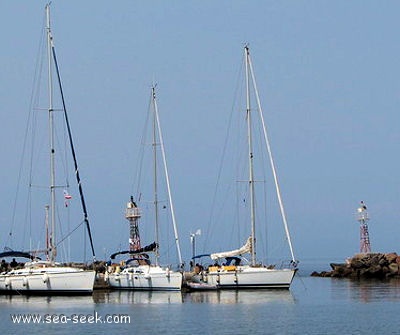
12,253
147,248
246,248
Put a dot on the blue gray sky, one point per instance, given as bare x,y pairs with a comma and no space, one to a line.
328,77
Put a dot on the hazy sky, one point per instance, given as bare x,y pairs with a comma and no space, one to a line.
328,77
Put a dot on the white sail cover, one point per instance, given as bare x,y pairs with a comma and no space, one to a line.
243,250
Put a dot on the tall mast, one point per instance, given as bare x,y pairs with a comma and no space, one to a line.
153,95
53,249
250,152
166,176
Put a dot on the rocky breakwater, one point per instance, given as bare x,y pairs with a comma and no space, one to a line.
362,266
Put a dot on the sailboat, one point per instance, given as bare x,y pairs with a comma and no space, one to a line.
230,270
138,272
48,277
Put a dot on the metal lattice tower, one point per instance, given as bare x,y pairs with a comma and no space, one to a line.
132,214
363,218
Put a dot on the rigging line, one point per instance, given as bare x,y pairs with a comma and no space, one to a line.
38,68
18,182
139,166
272,162
70,233
221,165
60,227
265,243
241,169
262,216
86,219
63,143
160,137
63,159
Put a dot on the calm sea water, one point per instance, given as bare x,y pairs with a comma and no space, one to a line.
311,306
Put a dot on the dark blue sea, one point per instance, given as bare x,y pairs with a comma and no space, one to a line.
312,306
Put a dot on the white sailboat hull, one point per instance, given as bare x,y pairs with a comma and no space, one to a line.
48,281
251,277
146,278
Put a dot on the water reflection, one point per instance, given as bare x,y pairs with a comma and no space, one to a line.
41,301
239,297
366,291
137,297
152,297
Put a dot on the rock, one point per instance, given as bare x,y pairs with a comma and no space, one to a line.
375,270
391,257
384,261
340,272
393,268
322,274
371,265
356,263
336,266
385,270
375,260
